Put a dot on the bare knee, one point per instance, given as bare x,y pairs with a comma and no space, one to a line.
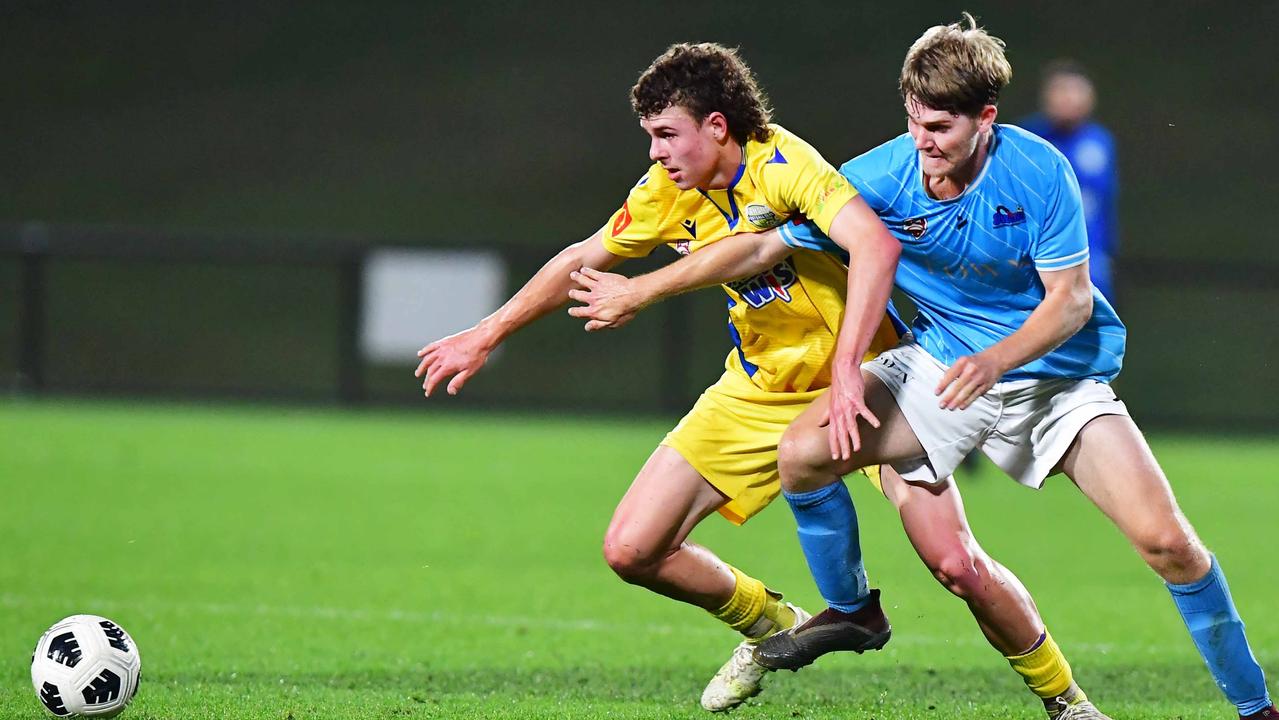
632,561
1174,551
958,571
804,462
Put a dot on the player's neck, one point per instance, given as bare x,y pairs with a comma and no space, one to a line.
946,187
731,157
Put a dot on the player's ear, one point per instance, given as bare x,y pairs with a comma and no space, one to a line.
986,117
718,125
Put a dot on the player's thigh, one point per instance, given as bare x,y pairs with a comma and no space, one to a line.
1113,466
806,440
662,506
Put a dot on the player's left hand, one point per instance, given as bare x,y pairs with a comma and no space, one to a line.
611,300
968,379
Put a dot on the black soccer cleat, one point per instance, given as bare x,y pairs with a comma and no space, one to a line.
1264,714
828,631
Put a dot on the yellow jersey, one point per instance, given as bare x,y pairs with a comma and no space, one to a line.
783,322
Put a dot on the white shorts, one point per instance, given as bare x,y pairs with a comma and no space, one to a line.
1023,426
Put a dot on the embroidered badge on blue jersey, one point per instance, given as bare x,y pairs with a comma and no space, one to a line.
767,286
916,227
1005,217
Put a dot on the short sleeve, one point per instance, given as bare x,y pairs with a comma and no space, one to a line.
878,173
804,234
634,230
799,179
1063,241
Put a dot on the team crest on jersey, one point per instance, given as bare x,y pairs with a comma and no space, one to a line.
682,247
763,216
770,285
1005,217
916,227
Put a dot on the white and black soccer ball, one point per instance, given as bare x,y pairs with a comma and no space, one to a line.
85,666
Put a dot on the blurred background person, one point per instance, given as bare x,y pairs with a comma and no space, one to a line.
1067,99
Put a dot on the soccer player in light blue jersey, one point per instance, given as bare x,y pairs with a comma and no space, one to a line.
1012,353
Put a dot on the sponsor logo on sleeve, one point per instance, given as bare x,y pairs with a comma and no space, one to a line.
831,189
622,220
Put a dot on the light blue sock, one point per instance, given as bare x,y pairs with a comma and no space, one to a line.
827,524
1214,624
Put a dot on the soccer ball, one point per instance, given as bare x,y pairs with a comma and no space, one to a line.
85,666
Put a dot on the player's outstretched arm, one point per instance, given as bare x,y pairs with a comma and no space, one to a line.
1066,307
873,254
462,355
613,300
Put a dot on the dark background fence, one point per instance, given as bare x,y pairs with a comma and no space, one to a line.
275,128
117,311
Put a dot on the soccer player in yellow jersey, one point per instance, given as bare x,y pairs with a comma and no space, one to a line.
719,168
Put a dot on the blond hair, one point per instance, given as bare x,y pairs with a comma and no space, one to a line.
959,68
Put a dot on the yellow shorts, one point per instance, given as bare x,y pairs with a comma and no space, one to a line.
730,437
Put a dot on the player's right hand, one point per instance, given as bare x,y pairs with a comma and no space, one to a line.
458,356
847,403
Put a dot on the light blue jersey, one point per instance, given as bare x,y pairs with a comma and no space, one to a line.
971,263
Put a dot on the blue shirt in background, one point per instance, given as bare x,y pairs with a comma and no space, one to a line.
1090,150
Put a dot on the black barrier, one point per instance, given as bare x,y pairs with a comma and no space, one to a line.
119,311
240,274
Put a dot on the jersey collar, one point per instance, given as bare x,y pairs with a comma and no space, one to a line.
732,215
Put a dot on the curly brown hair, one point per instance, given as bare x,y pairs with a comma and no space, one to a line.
959,68
703,78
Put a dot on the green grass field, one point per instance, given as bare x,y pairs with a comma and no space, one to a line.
287,563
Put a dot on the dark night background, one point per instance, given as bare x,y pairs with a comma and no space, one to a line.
508,124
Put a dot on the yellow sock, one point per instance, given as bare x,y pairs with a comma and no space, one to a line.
751,602
1046,671
778,616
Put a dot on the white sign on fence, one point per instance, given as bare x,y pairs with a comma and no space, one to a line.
412,297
